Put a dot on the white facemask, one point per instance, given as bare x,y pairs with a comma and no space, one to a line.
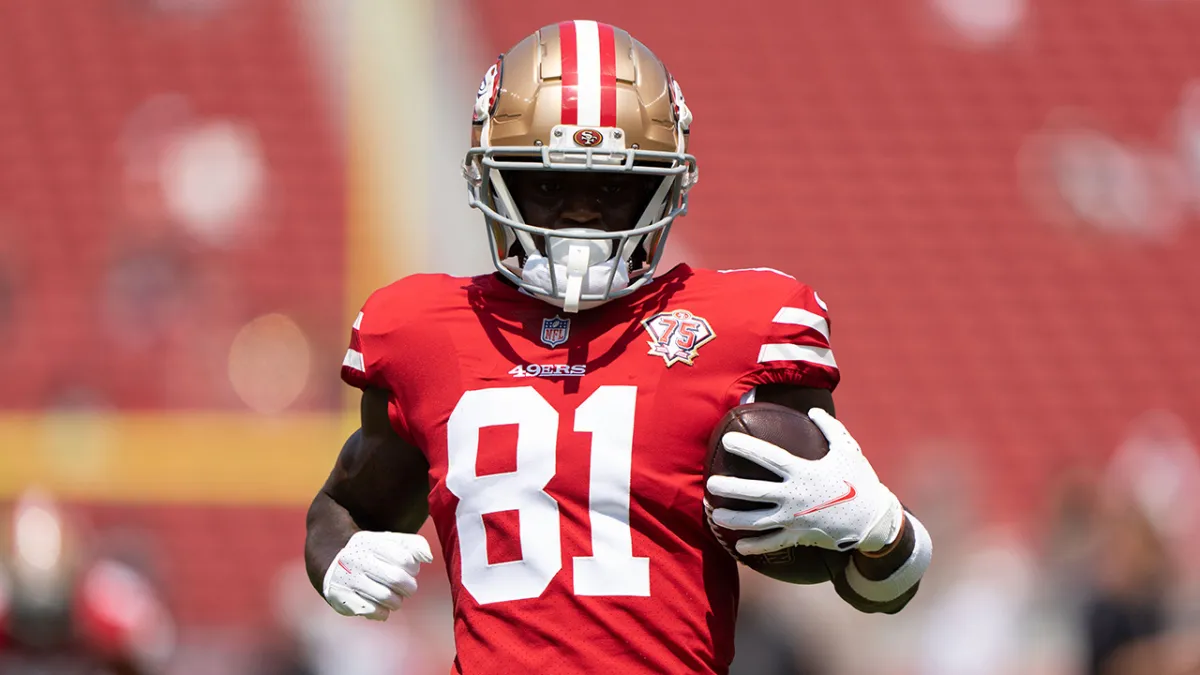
580,266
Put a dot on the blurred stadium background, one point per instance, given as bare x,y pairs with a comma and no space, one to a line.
999,199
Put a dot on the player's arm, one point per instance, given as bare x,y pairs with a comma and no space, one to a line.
888,549
886,572
359,550
884,580
797,398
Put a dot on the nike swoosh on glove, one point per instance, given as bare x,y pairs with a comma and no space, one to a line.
835,502
373,574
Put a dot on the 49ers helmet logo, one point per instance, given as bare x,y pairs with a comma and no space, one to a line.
588,138
489,90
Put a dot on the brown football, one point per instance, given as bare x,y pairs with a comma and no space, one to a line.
795,432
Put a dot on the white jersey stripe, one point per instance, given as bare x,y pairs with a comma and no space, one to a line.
772,270
358,321
802,317
587,63
354,359
790,352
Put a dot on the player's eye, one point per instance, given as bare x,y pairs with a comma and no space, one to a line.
549,187
611,189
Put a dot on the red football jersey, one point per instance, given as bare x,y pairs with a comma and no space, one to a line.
566,455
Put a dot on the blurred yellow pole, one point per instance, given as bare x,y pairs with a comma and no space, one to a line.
195,457
388,113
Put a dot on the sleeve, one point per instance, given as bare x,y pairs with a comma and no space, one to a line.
363,365
370,357
794,345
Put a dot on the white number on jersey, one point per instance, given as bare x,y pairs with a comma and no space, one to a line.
611,569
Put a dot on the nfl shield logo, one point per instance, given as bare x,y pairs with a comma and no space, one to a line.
555,331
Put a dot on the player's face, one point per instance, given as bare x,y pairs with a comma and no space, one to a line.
561,199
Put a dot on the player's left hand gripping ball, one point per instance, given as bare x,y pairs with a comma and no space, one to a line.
835,502
374,573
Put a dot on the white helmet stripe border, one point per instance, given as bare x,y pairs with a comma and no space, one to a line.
587,63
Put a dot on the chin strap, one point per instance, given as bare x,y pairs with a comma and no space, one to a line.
578,258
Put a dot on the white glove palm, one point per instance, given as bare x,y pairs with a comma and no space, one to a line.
373,574
836,502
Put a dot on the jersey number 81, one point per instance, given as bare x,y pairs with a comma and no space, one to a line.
611,569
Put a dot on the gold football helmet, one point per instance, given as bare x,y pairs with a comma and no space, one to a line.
579,96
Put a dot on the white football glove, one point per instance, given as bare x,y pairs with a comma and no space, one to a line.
374,573
835,502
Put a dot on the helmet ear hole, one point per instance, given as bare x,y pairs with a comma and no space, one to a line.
639,257
515,251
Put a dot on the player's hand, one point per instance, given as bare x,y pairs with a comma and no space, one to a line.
835,502
374,573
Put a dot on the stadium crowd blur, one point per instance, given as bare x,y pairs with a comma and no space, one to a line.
1000,200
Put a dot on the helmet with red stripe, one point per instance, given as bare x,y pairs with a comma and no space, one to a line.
579,96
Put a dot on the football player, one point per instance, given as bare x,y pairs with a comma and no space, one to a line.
553,417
